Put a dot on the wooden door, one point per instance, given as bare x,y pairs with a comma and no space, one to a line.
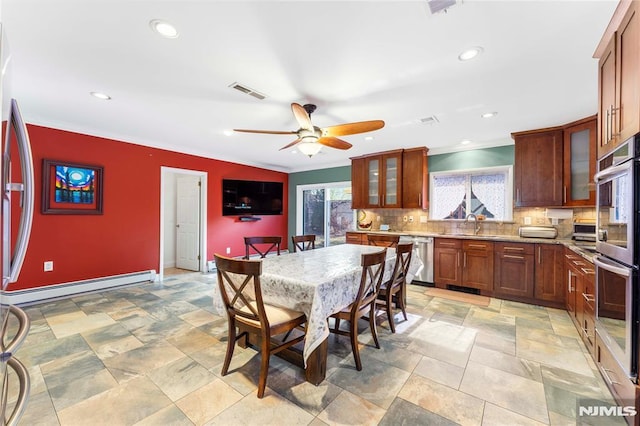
446,262
606,98
513,269
579,165
477,264
358,183
627,114
549,275
538,168
415,178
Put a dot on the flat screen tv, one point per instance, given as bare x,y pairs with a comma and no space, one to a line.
248,197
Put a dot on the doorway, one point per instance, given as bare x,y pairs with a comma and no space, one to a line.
183,200
325,211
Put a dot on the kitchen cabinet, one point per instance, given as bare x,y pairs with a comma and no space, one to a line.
579,163
549,273
391,179
466,263
355,238
580,294
538,168
415,176
514,269
619,81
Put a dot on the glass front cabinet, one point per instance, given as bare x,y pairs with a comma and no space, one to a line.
579,154
383,180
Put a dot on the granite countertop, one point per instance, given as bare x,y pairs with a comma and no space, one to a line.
581,249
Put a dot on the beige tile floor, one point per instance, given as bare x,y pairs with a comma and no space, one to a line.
151,355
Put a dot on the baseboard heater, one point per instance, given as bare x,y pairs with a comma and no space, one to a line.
58,291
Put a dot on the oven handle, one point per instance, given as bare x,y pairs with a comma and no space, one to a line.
611,171
611,268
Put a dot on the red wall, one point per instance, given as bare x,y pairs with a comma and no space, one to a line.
126,238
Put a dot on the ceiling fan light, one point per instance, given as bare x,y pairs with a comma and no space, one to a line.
309,148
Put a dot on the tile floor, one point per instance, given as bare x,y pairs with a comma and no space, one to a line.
151,355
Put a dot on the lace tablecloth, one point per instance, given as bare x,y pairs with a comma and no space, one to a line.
317,282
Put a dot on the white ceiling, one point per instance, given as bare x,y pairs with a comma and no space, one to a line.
357,60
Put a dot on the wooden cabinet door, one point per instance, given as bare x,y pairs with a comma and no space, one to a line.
358,183
477,264
549,275
627,114
513,269
446,262
570,285
415,178
391,179
606,98
372,189
579,165
538,168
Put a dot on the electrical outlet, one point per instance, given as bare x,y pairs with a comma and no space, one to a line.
228,250
404,218
423,219
410,218
48,266
527,220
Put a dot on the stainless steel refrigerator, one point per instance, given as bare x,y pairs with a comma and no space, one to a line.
17,189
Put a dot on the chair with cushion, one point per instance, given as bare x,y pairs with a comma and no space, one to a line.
383,240
303,242
365,302
393,292
262,245
239,283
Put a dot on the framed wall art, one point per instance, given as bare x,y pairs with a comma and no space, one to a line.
71,188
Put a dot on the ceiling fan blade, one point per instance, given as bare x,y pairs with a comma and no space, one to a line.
334,142
269,132
302,117
291,144
353,128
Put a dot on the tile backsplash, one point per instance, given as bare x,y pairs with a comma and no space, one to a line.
406,220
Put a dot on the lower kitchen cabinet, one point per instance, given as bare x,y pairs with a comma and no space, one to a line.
514,270
580,297
355,238
465,263
549,273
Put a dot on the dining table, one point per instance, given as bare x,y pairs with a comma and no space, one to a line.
319,283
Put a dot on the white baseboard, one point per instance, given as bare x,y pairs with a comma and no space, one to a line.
56,291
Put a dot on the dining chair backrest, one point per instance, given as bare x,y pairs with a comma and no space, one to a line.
266,244
303,242
383,240
239,283
372,272
401,266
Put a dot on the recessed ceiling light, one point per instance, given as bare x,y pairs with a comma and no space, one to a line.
465,142
368,138
489,114
227,132
470,53
100,95
163,28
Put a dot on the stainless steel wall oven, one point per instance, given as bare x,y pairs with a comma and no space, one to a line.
616,261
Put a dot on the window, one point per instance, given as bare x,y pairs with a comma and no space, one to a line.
325,211
486,191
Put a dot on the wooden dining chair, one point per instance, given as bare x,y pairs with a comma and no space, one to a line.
383,240
365,302
239,282
393,291
264,245
303,242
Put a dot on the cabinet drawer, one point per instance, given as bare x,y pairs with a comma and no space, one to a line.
447,243
477,245
620,385
353,238
514,248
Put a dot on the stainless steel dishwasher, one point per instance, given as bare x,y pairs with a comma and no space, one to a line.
423,249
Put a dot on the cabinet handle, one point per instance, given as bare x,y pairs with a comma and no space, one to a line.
510,256
447,244
606,372
589,297
458,259
564,194
514,248
614,111
606,128
478,245
587,271
539,256
517,195
419,199
464,260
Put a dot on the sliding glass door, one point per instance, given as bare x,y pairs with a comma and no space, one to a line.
325,211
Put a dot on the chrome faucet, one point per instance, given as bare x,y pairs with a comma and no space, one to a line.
475,219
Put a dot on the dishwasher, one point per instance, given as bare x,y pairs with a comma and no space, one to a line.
423,249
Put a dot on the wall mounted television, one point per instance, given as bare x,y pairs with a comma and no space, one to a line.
248,197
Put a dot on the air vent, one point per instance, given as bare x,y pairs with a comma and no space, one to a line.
428,120
244,89
436,6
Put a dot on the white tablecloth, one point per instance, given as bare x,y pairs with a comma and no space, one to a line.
317,282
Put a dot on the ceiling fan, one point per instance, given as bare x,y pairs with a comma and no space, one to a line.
311,138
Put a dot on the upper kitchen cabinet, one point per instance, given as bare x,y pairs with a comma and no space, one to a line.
619,79
415,178
579,163
538,168
391,179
